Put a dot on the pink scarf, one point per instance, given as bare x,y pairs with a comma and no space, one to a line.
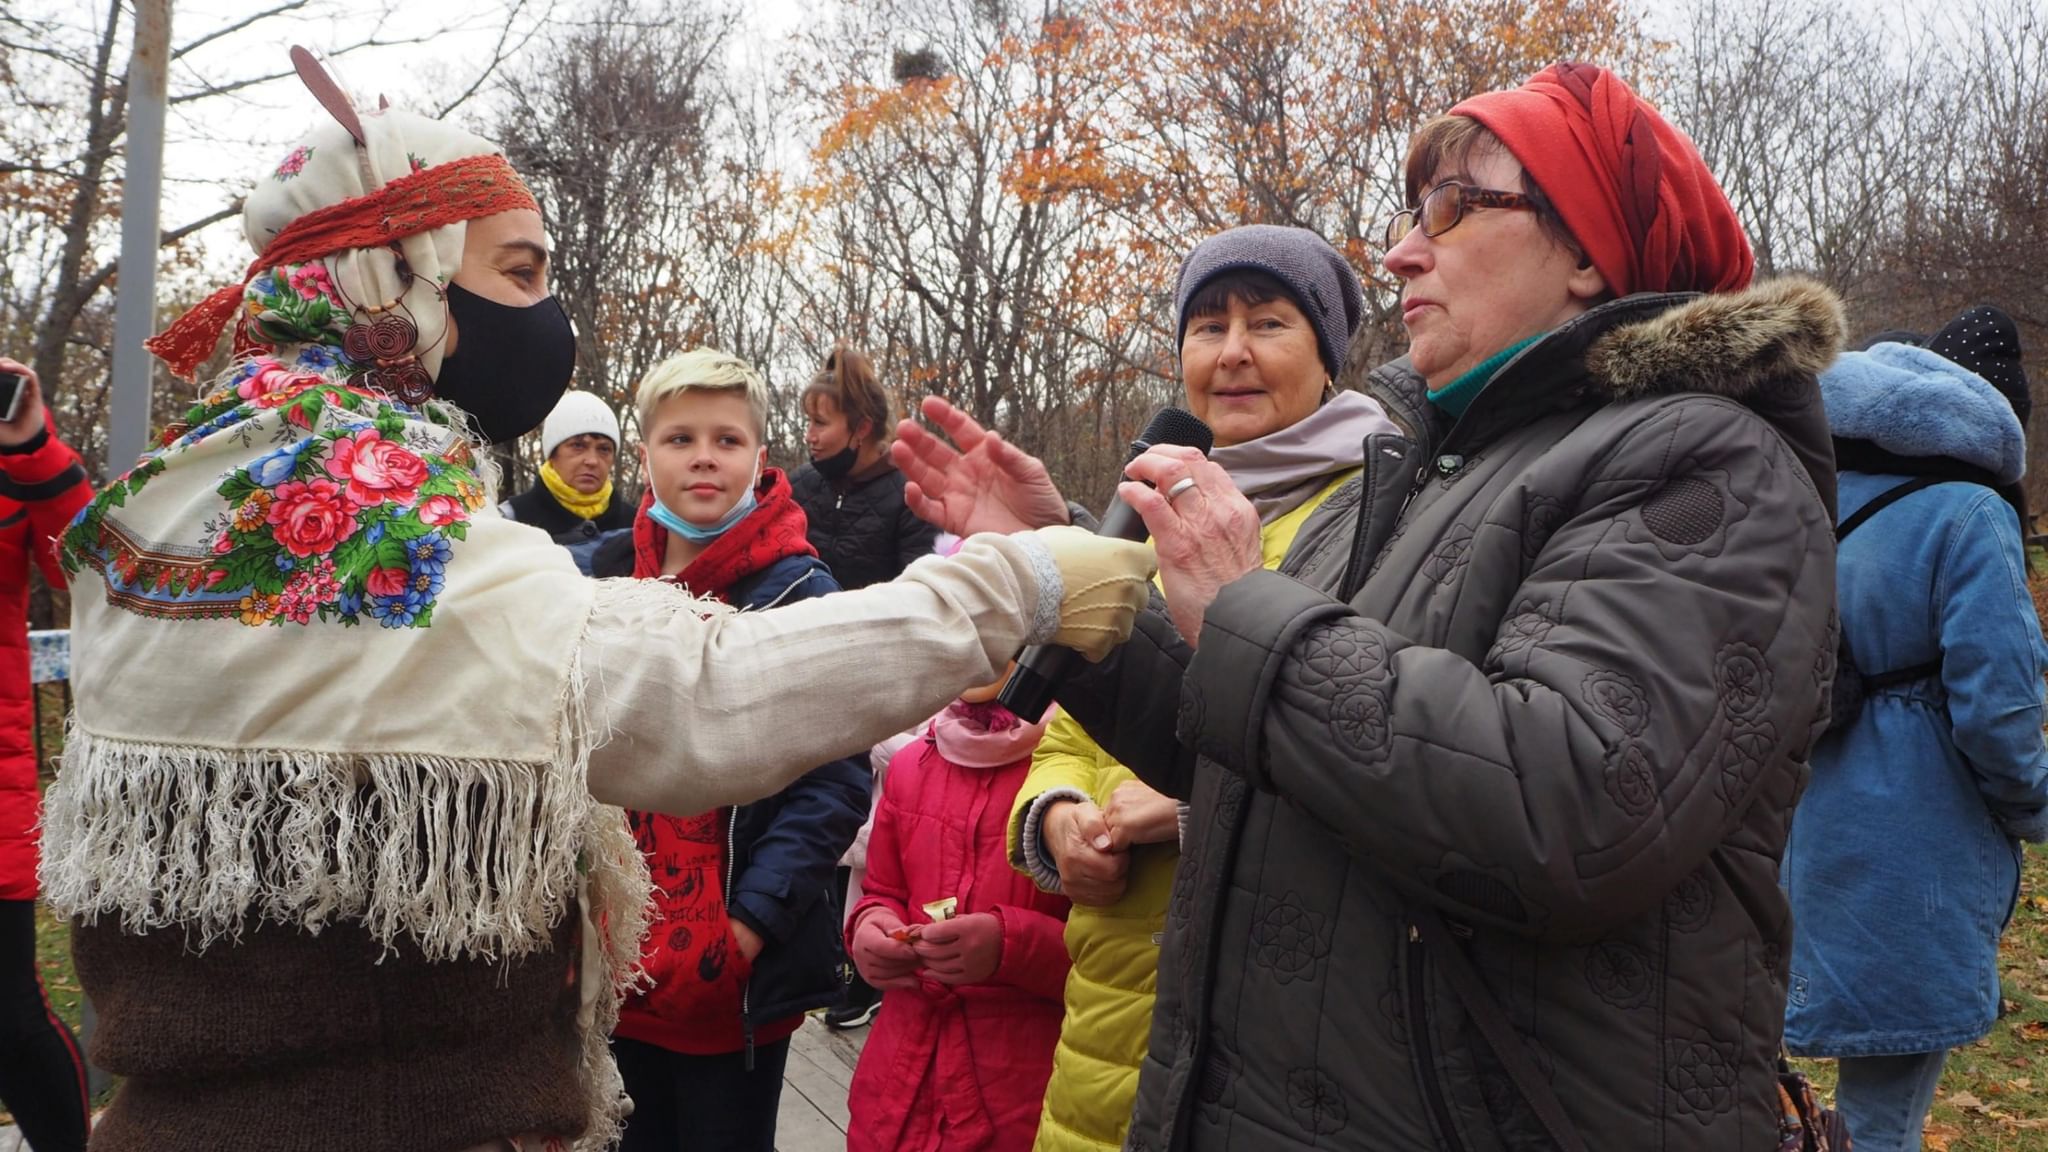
985,735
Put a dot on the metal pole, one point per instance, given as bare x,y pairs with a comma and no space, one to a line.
141,185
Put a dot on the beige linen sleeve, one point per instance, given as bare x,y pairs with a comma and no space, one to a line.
708,711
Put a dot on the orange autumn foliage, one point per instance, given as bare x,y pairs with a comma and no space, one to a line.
1010,214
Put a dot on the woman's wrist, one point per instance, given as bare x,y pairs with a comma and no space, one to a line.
1034,839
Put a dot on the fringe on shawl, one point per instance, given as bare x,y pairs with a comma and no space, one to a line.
467,858
470,859
620,894
617,907
207,841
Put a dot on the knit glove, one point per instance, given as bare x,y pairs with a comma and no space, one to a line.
881,959
964,950
1103,583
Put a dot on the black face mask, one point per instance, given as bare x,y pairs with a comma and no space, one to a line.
511,364
837,467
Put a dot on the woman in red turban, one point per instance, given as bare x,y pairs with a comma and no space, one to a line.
1488,794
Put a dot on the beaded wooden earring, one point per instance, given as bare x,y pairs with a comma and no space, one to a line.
383,337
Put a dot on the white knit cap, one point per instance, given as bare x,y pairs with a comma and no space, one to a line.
576,414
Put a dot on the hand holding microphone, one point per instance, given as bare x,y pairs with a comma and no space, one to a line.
1041,668
1104,585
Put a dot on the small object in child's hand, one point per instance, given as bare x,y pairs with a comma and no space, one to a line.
942,910
904,934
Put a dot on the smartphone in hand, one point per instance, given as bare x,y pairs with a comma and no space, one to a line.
13,386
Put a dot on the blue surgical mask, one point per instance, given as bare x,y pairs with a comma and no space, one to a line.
703,535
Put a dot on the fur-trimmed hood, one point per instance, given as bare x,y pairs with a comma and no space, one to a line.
1763,347
1734,345
1914,403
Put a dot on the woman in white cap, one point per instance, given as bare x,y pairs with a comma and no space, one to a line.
574,501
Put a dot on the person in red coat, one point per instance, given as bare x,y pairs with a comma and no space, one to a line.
42,485
971,990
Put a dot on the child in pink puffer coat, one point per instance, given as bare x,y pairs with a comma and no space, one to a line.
969,954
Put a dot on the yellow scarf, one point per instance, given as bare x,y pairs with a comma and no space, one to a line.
589,507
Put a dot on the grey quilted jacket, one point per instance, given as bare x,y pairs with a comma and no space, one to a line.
1559,685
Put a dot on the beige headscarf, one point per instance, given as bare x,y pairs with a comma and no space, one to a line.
327,168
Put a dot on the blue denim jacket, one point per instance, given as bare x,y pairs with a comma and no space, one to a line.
1903,864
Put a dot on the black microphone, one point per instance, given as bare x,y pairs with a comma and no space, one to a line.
1041,667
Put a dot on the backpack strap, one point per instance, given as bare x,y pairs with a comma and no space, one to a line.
1494,1025
1927,671
1883,500
1879,503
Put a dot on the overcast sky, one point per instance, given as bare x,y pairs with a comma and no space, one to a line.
215,146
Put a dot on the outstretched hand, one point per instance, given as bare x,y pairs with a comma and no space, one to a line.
978,483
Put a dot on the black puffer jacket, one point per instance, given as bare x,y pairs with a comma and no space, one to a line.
1559,687
861,527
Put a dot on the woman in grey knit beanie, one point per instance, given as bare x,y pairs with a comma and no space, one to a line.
1263,317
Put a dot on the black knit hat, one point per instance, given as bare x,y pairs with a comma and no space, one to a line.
1316,275
1986,341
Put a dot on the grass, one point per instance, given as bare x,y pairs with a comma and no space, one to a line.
53,939
53,960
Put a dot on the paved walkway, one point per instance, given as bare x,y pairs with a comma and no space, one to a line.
813,1092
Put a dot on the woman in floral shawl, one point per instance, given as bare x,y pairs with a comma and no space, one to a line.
336,822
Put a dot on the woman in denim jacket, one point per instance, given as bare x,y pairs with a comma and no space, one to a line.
1903,865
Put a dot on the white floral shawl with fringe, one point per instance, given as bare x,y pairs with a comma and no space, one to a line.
320,681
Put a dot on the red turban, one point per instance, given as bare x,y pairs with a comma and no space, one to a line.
1632,189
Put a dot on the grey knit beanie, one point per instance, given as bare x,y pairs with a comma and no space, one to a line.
1318,277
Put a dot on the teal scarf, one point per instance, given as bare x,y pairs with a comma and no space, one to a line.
1458,395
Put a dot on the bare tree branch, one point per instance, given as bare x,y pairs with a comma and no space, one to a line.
227,30
99,277
501,51
374,40
176,234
